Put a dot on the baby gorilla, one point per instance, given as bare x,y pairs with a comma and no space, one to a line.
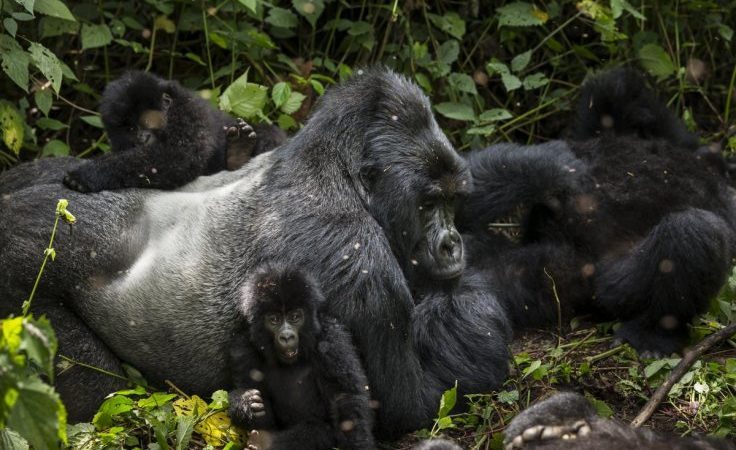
164,136
308,382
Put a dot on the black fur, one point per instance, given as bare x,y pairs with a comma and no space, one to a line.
164,136
320,401
631,224
569,413
359,195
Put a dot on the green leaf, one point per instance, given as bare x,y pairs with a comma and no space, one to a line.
14,61
520,14
49,65
220,400
447,402
93,36
725,31
55,147
155,400
521,60
448,52
318,87
485,130
457,111
163,23
39,343
54,8
280,93
462,83
536,364
52,26
11,125
282,18
508,397
618,6
11,26
495,66
444,423
359,28
44,99
293,103
252,5
510,82
110,408
243,98
450,23
184,429
38,415
27,4
535,80
286,122
310,9
495,115
656,61
601,407
10,440
95,121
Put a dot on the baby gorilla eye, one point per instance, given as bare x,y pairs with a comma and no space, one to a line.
296,316
274,319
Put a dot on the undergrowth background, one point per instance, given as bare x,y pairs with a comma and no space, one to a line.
495,71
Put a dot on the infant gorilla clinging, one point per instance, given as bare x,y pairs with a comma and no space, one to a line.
307,383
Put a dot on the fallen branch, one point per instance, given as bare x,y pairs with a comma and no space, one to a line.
688,359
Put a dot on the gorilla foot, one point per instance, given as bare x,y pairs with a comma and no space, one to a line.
77,181
537,433
650,341
241,128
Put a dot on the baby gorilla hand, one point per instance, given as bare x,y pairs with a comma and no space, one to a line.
254,403
246,406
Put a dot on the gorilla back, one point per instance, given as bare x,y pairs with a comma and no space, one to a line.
155,275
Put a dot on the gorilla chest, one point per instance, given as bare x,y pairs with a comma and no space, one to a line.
295,395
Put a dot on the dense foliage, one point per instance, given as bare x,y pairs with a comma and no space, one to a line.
496,71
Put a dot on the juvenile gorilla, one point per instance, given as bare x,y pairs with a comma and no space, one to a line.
628,220
164,136
295,370
363,195
567,421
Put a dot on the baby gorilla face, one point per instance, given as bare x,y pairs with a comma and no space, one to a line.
285,330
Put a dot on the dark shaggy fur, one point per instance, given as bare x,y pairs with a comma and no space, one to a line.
543,425
164,136
318,402
363,196
627,220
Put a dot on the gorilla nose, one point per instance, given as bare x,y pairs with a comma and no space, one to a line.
287,337
450,248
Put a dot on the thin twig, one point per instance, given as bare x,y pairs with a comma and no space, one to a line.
688,359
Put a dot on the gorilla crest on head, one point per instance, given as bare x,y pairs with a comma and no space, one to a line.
274,291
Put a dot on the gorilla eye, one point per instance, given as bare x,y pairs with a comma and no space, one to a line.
273,319
296,315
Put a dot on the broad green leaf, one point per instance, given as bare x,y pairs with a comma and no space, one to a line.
27,4
725,31
656,61
463,83
14,61
243,98
11,26
38,415
95,121
280,93
220,400
508,397
535,80
536,364
448,52
49,65
495,66
423,81
39,343
293,103
485,130
286,122
52,26
309,9
619,6
10,440
450,23
252,5
447,402
358,28
601,407
11,126
164,23
283,18
654,367
510,82
520,14
184,429
55,147
521,60
97,35
444,423
110,408
457,111
318,87
155,400
495,115
54,8
44,99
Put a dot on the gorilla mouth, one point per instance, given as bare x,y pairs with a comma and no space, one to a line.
289,355
448,273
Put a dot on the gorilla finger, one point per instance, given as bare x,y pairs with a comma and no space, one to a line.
259,413
256,406
251,392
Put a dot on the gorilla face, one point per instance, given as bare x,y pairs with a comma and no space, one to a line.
285,330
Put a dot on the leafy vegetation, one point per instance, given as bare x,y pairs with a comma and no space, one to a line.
496,71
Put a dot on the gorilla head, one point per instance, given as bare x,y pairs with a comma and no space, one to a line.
415,178
280,307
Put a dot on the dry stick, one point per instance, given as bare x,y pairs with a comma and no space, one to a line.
688,359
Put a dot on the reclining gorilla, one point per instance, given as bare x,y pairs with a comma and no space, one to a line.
363,195
628,219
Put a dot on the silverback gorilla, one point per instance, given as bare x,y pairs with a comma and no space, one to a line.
363,196
627,219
